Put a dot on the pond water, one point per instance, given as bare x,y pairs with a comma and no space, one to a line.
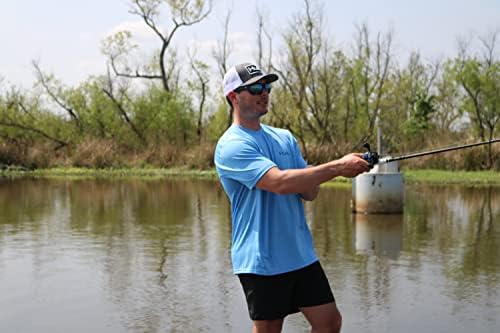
153,256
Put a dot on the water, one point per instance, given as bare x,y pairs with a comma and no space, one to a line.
153,256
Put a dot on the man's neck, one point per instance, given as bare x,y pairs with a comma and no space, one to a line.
252,125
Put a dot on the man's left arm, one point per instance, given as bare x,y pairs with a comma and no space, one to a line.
311,193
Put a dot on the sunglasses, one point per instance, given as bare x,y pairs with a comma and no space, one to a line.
256,88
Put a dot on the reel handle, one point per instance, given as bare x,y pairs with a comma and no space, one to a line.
371,157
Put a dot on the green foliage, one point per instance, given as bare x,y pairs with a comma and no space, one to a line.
481,84
329,97
186,9
164,117
419,122
97,112
118,44
218,122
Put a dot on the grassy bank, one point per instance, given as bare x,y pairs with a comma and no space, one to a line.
452,177
111,173
411,176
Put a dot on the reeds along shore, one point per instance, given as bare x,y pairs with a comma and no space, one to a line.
99,154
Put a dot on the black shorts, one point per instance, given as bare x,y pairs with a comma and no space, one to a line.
275,296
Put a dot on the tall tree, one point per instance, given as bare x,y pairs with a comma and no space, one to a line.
479,76
299,106
221,54
199,85
409,105
369,74
448,99
264,41
183,13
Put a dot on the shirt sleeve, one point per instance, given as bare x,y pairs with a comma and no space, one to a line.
242,161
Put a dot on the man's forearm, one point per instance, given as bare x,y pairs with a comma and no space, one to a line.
303,180
310,194
297,180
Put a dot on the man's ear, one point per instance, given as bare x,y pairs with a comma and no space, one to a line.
232,97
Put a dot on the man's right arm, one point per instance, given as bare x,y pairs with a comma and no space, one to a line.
294,181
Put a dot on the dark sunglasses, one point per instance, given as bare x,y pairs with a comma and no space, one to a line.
256,88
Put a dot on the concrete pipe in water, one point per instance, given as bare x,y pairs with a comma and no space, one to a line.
380,191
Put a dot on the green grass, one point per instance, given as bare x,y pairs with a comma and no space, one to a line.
452,177
85,173
410,176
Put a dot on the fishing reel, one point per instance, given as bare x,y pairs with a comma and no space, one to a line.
371,157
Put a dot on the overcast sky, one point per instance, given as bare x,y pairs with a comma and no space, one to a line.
65,35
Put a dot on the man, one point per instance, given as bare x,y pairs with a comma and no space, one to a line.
266,178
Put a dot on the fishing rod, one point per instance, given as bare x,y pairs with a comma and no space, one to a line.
373,157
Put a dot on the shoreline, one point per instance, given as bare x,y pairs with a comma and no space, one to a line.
432,177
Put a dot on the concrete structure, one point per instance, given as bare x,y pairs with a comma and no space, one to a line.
380,191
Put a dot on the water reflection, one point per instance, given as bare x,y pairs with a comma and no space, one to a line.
153,256
379,234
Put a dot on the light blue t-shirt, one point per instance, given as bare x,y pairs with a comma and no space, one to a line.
269,235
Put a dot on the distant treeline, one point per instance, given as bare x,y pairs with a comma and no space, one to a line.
167,112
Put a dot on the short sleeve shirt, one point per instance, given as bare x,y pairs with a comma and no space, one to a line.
269,231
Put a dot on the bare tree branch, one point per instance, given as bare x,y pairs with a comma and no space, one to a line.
35,130
223,49
46,85
200,84
109,91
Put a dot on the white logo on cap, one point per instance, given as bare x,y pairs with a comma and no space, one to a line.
252,69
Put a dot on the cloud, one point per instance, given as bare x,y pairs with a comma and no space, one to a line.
138,29
242,47
201,48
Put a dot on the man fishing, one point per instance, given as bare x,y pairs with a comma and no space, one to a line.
266,180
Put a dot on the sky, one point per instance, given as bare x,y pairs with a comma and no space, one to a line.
64,36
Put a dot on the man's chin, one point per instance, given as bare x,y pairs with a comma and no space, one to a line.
263,112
